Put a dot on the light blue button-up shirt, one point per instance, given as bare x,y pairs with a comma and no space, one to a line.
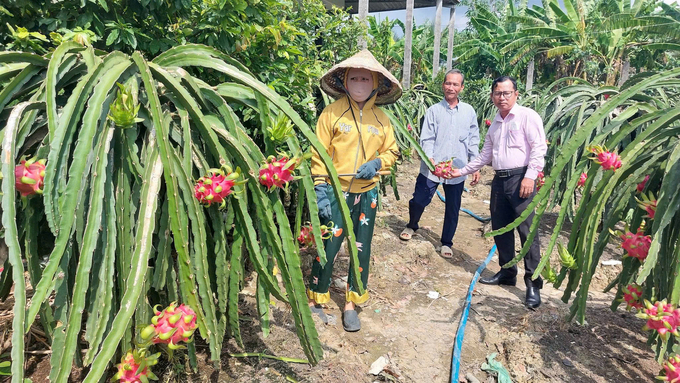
449,132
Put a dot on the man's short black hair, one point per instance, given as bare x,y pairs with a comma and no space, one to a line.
504,79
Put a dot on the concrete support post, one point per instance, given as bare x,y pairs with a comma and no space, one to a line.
437,39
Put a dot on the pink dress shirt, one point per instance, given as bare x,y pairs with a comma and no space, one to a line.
513,142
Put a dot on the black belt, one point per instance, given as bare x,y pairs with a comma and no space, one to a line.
504,173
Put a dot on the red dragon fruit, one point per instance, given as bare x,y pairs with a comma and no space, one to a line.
134,368
608,160
29,177
487,122
642,184
632,295
277,172
306,237
637,245
661,317
409,127
171,326
216,186
540,181
582,179
648,202
671,370
443,169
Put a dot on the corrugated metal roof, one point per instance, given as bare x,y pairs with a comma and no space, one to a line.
389,5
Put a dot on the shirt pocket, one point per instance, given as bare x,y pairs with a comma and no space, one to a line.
515,138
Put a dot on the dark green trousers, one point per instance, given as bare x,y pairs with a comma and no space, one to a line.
363,207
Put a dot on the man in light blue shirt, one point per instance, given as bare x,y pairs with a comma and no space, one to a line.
449,130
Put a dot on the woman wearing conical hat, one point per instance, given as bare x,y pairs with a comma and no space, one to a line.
359,138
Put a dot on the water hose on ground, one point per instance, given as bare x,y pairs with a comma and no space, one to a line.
460,333
475,216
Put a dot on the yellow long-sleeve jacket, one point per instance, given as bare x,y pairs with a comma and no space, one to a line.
353,137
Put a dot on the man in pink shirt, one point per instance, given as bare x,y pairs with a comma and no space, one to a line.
514,146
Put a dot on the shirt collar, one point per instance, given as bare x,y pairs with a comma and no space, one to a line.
446,104
513,112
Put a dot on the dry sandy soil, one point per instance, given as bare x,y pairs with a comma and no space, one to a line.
416,333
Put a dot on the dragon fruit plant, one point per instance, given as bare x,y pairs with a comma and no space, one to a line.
217,185
635,244
124,110
582,179
306,237
648,203
134,367
29,177
632,295
443,169
608,160
172,325
540,180
671,370
641,186
278,172
661,317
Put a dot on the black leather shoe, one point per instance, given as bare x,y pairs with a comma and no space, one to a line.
533,298
499,279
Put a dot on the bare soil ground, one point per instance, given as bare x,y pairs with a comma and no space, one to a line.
415,333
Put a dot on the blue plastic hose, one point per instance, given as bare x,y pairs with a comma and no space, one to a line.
475,216
460,333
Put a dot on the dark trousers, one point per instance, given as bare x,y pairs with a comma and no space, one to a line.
422,196
506,206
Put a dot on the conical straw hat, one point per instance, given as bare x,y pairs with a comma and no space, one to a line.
389,89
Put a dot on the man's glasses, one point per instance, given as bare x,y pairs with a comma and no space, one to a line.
504,94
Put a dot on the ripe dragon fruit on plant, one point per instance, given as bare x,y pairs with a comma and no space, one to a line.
306,237
171,326
278,172
540,181
487,122
648,202
443,169
671,370
608,160
632,296
641,185
582,179
661,317
134,367
29,177
216,186
636,245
